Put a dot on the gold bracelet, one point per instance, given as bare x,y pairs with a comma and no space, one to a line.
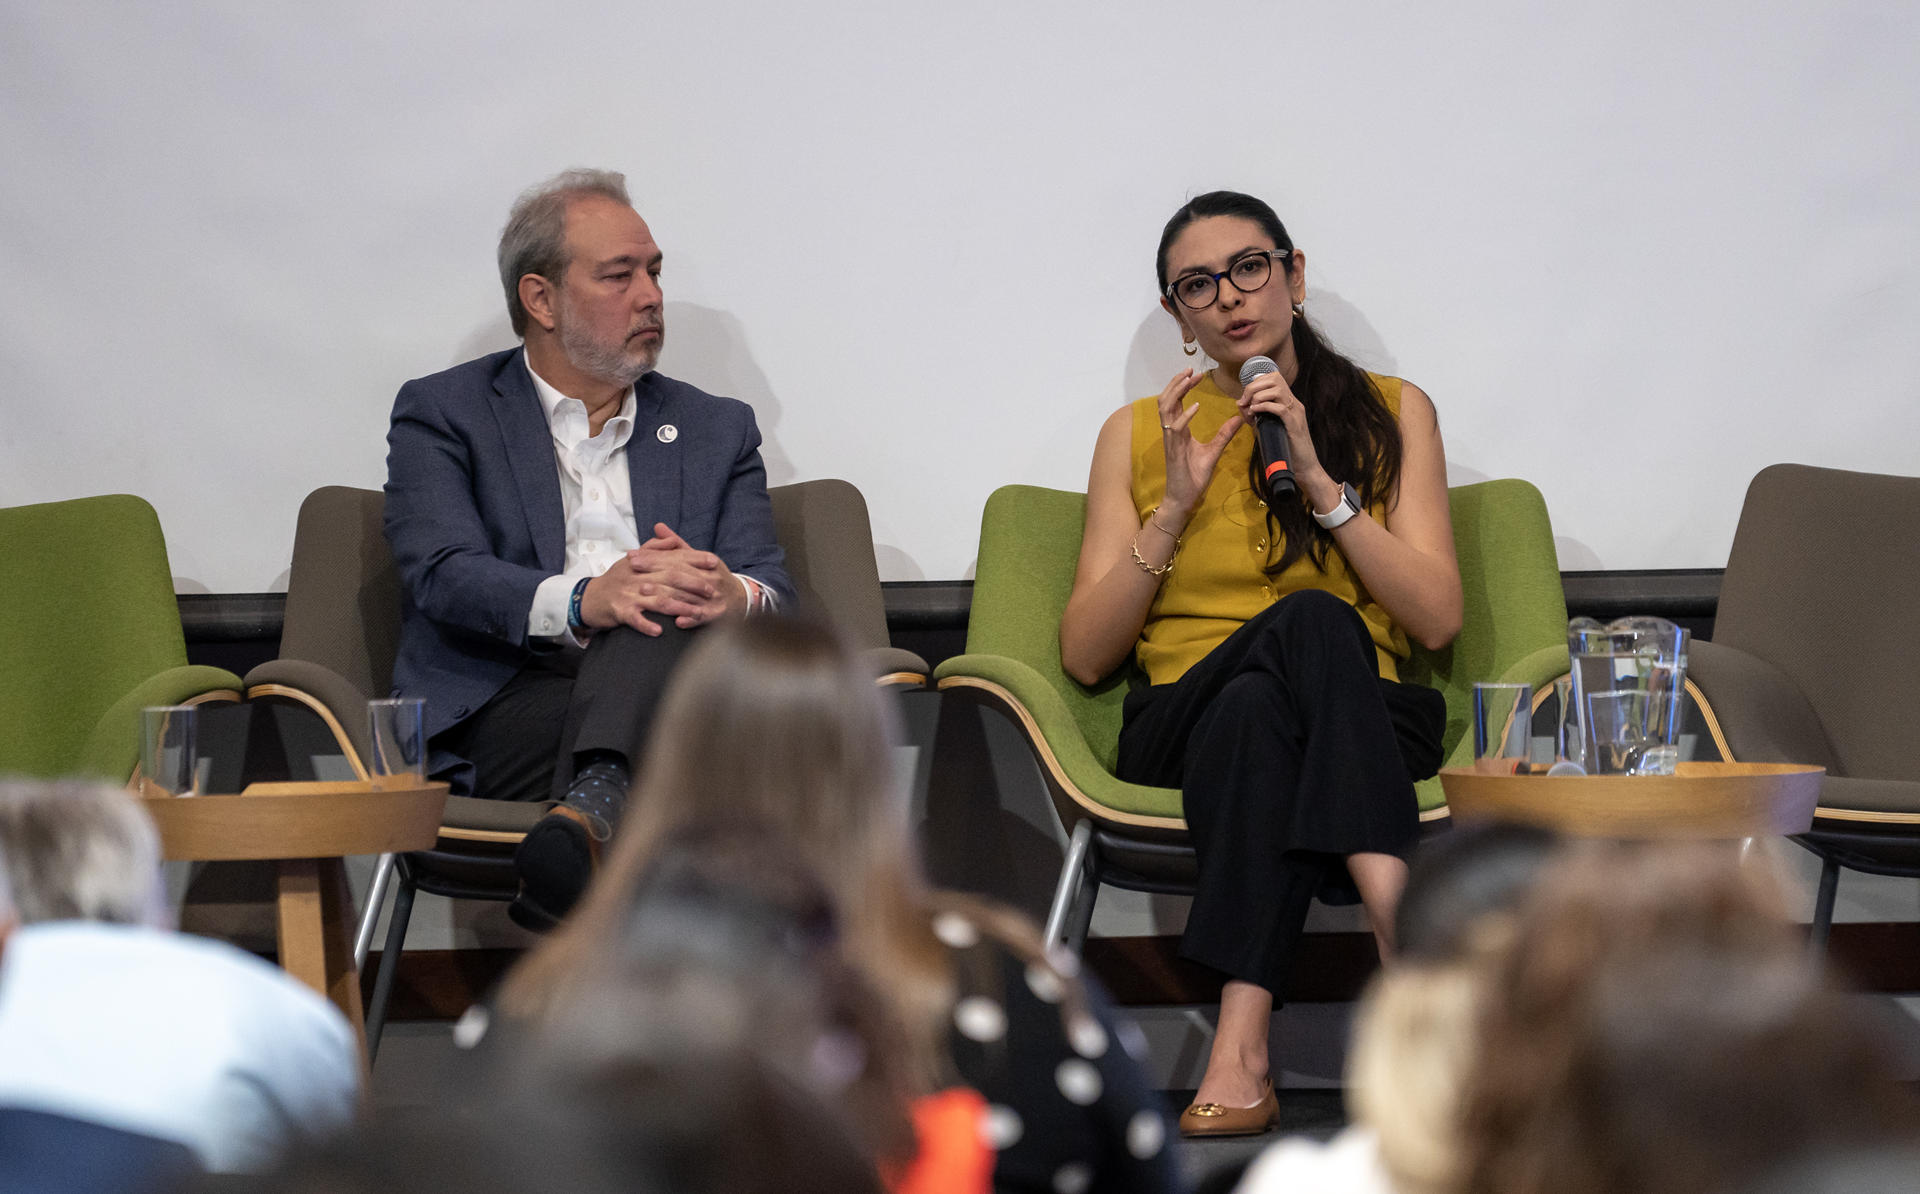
1145,567
1156,526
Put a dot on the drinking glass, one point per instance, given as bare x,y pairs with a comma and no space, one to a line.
397,742
1569,747
168,751
1666,707
1502,726
1617,726
1634,656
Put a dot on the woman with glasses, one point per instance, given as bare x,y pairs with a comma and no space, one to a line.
1269,621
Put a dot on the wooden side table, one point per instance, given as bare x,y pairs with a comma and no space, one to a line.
308,829
1700,800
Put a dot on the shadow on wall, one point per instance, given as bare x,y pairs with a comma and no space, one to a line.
1342,325
1155,354
898,565
1576,556
491,336
708,348
1573,555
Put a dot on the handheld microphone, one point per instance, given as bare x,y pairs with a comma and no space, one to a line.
1276,479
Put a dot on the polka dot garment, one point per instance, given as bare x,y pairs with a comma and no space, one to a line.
1069,1110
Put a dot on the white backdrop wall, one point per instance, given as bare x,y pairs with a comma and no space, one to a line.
1635,251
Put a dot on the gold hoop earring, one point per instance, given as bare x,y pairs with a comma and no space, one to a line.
1189,347
1299,310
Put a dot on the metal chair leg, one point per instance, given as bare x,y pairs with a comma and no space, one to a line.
1067,890
370,915
389,964
1822,926
1081,919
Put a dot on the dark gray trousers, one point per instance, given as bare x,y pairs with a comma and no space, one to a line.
524,742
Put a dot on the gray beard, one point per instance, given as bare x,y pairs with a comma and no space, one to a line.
611,365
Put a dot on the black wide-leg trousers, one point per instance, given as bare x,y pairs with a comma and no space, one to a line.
1290,753
564,704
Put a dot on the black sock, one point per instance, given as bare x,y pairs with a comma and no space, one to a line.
599,790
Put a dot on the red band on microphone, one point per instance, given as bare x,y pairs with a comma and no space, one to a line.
1278,466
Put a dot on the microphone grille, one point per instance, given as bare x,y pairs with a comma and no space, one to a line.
1255,366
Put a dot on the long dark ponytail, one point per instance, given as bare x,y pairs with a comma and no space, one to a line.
1354,433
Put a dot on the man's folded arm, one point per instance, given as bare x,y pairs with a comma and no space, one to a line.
745,538
439,542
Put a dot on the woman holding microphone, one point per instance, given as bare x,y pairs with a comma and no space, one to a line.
1270,621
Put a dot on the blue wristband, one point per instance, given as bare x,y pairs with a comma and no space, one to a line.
575,622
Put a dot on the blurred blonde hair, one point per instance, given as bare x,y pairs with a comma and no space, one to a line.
1415,1042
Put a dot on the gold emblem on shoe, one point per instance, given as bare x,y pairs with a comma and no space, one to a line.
1218,1119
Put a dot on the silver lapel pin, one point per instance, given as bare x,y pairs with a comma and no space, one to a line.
667,433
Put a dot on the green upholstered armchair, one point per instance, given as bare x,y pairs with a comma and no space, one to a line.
1132,836
1814,658
89,634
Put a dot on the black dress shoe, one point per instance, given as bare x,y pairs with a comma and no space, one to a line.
555,862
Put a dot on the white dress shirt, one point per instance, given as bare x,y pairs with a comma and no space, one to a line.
173,1036
596,495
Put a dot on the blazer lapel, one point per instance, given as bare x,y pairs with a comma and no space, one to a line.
529,443
653,461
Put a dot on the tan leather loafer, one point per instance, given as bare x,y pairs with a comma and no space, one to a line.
1213,1119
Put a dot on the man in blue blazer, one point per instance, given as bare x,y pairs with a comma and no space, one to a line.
565,520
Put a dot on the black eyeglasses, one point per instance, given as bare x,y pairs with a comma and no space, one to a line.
1248,274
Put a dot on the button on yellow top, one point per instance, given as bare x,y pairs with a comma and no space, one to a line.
1214,586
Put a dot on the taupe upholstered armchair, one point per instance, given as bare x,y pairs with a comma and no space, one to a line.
343,625
1815,658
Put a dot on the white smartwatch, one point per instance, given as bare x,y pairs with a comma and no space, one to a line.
1348,507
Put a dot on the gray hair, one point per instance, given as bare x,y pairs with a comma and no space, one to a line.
78,850
535,238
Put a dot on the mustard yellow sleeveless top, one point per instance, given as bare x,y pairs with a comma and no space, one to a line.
1218,582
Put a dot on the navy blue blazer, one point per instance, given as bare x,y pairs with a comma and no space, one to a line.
475,520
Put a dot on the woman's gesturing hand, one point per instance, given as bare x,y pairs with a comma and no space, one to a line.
1270,394
1190,459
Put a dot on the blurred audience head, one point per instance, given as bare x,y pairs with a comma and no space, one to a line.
79,851
1416,1034
777,723
731,945
778,720
1655,1026
700,1123
1466,882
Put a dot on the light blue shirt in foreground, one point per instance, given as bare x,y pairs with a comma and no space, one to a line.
173,1036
